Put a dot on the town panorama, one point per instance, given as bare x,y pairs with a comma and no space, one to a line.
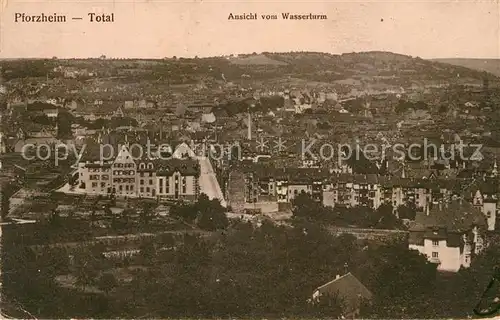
264,185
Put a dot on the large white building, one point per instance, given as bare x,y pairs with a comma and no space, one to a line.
126,174
449,234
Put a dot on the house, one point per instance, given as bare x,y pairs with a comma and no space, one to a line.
449,234
128,104
51,113
137,175
485,199
351,292
201,107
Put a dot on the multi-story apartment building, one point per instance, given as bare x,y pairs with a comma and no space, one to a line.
485,197
124,173
94,172
178,179
350,190
449,234
134,176
264,184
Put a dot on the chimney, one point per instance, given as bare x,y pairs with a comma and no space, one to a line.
249,130
427,211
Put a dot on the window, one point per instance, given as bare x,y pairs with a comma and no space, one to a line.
150,166
488,214
147,189
435,255
94,184
142,189
132,188
142,182
142,166
150,182
435,243
103,184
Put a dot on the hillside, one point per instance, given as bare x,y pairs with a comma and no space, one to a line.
488,65
360,67
362,71
258,59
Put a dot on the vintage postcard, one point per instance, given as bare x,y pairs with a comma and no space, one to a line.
223,159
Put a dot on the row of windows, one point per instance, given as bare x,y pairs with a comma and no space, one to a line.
143,166
127,173
184,189
142,182
127,188
124,180
95,184
124,165
148,174
96,177
98,169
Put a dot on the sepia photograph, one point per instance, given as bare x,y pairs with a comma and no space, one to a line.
209,159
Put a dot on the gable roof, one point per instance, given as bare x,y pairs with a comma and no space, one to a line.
454,216
348,288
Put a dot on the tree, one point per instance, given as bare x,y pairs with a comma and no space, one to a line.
184,212
86,267
93,216
55,218
304,206
407,211
126,214
107,282
147,251
404,277
64,122
211,214
147,213
387,219
443,108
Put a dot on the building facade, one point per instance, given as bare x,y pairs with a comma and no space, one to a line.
450,235
267,184
130,176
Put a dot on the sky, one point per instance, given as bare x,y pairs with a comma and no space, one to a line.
157,29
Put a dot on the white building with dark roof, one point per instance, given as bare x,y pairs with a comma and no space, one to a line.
449,234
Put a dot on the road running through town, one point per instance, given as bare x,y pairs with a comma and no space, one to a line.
208,181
